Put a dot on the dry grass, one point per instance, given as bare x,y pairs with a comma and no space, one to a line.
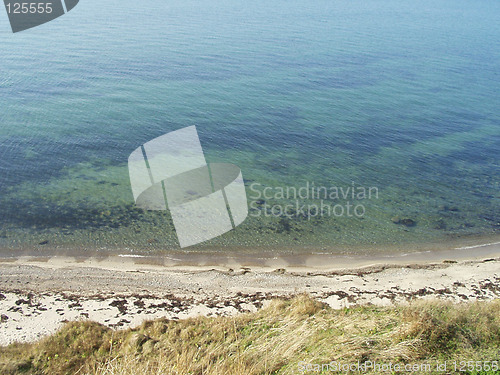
271,341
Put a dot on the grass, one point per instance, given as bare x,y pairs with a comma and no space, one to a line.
275,340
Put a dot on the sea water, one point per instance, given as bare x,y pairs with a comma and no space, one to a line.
398,97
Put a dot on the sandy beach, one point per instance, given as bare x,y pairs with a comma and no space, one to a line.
38,295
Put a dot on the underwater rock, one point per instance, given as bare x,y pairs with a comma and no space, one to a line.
284,226
445,207
440,224
408,222
404,221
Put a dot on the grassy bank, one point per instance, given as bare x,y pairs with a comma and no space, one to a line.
280,339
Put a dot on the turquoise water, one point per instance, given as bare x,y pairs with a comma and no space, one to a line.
400,96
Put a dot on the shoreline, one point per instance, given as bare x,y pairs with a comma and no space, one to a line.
263,261
37,296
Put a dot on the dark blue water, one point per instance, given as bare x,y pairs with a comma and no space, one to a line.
402,97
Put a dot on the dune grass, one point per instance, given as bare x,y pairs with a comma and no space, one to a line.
278,339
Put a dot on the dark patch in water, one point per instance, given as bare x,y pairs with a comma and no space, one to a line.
485,153
39,159
45,215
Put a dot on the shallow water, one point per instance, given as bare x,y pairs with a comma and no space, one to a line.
381,94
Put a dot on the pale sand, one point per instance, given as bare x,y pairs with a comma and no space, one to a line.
38,295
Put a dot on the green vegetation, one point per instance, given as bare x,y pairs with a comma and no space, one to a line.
274,340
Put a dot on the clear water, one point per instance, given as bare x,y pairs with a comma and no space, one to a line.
401,96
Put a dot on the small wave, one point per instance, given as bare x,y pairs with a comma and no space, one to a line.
475,246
